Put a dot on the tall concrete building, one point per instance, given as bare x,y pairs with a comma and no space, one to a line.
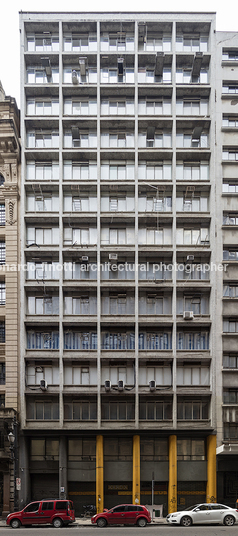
124,363
9,278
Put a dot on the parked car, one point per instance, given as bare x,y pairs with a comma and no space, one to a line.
124,514
55,511
205,513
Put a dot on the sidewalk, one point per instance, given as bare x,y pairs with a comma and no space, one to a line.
86,522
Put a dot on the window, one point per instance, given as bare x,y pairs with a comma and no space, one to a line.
229,55
196,171
119,236
110,75
2,252
81,305
114,374
117,107
80,410
2,180
38,305
154,106
119,41
43,139
184,76
154,449
81,449
2,374
154,236
193,271
79,340
80,42
117,139
114,170
118,449
230,255
2,214
82,203
230,325
118,304
42,340
42,171
146,75
160,340
42,202
230,88
34,374
229,154
192,410
161,374
193,340
2,293
230,291
192,202
230,121
184,139
198,304
159,139
42,236
191,376
42,107
191,43
80,270
2,332
34,507
118,203
83,236
79,171
194,237
191,449
155,271
74,138
230,396
73,75
43,43
80,375
80,107
118,270
230,431
192,107
43,410
2,400
155,304
155,170
37,75
155,410
230,361
123,410
158,203
118,340
42,270
230,187
156,42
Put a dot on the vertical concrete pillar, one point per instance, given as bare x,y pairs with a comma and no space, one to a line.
99,474
136,470
211,493
172,490
63,468
24,471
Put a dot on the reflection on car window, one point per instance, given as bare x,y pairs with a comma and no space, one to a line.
217,507
61,505
131,508
119,509
47,506
33,507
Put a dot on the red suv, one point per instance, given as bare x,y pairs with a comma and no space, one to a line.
56,512
125,514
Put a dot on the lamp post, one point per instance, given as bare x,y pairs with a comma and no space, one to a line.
12,438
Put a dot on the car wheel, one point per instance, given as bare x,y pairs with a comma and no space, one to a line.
101,522
229,521
142,522
57,523
186,521
15,523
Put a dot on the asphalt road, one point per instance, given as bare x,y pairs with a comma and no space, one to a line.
163,530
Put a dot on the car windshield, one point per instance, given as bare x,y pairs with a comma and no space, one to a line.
191,507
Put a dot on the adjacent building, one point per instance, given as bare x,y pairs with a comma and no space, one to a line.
124,361
9,303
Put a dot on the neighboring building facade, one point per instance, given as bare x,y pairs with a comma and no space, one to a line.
9,312
121,353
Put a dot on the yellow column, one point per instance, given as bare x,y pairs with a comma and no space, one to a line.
172,491
211,470
99,474
136,470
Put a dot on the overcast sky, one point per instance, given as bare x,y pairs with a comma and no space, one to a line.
227,20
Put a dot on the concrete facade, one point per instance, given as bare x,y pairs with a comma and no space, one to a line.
121,302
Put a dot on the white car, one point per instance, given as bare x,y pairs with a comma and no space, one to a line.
204,513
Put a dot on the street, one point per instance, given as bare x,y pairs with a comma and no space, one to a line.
151,530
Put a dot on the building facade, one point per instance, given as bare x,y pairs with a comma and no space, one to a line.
9,277
121,232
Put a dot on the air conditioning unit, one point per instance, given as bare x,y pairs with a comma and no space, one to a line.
152,385
112,256
107,385
188,315
120,385
85,258
74,77
190,257
82,66
43,385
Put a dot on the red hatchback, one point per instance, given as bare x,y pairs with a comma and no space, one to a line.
57,512
125,514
